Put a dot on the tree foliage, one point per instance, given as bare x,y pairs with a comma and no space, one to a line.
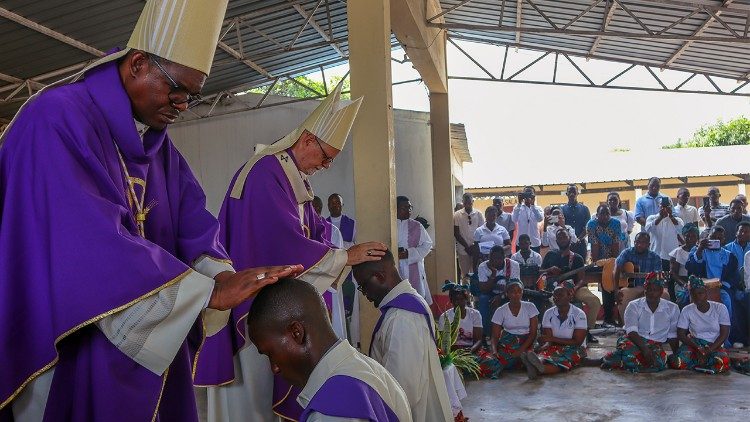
289,88
733,132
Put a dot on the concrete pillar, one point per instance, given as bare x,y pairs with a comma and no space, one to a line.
442,188
373,144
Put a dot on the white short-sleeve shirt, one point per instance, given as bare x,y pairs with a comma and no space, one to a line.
681,256
488,238
465,326
518,324
575,320
704,326
484,272
657,326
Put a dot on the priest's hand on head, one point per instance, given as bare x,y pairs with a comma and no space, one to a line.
231,289
368,251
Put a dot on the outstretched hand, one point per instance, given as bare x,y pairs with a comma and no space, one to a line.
232,289
363,252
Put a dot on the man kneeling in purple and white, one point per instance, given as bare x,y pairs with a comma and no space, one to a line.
288,322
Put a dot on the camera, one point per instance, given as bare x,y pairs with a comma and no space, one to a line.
714,244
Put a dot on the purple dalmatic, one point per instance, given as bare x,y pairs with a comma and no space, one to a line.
347,228
70,253
262,228
347,397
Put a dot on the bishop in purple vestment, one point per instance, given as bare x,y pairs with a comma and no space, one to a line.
108,257
267,218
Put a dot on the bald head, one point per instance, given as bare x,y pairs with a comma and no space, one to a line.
288,322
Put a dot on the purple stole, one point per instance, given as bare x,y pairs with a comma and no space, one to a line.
407,302
347,228
343,396
414,234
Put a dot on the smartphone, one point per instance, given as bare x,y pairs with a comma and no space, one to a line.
706,201
714,244
665,202
554,219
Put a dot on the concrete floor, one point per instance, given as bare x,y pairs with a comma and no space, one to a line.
591,394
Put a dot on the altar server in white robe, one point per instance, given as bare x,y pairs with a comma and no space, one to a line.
413,246
403,340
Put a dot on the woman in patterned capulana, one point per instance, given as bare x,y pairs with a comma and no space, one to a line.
514,329
561,343
650,322
702,328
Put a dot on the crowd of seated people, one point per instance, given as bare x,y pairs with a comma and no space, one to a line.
685,284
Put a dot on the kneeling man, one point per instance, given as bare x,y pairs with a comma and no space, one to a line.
403,340
289,324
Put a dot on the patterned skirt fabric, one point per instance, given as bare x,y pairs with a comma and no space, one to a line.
628,356
565,357
490,366
687,358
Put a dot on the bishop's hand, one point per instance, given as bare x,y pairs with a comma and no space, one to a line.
231,289
363,252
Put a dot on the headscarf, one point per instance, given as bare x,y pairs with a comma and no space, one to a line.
654,278
690,227
696,282
451,287
512,282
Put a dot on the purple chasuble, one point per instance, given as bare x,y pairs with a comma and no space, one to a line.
70,253
407,302
347,228
414,234
348,397
262,228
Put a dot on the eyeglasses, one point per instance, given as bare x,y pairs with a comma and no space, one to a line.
326,158
178,94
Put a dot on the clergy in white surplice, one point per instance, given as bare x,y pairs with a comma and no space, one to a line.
413,246
403,340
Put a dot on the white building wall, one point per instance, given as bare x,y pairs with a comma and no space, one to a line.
216,147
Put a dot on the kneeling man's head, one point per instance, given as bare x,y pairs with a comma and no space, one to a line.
377,278
288,322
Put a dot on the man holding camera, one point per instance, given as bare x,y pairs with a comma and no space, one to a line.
528,216
665,230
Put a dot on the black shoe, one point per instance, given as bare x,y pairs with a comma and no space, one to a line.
591,339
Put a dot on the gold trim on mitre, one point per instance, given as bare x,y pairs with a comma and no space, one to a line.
331,122
181,31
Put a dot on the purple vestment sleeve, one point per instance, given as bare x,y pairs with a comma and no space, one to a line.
70,254
347,397
261,228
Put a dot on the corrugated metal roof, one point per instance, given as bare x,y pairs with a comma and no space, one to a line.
268,27
459,143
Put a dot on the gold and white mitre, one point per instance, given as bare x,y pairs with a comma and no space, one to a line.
181,31
330,122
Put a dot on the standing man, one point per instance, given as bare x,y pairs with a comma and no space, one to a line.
577,215
504,219
267,216
665,230
650,203
528,216
343,222
413,246
688,213
108,256
730,221
403,340
712,211
465,222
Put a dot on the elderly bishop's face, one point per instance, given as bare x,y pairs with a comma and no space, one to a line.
312,154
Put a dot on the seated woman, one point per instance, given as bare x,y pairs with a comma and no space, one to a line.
678,260
650,321
564,329
702,328
514,327
470,325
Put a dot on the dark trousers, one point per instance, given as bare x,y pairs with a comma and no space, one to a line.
608,303
670,281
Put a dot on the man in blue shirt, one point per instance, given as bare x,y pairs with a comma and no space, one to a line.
741,304
650,203
577,215
645,261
